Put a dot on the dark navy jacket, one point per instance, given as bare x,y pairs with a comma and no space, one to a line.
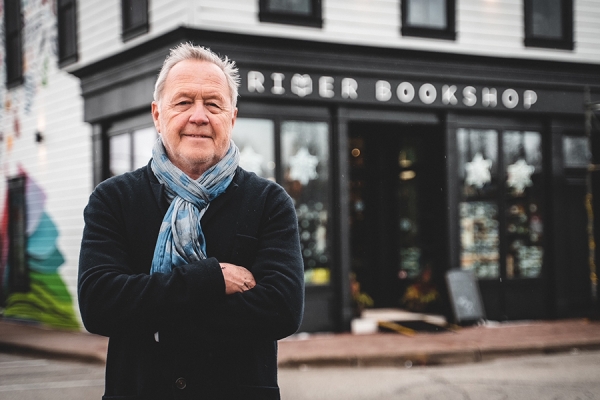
211,345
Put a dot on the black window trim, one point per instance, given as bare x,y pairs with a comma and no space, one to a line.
17,58
130,32
564,43
315,20
63,58
449,33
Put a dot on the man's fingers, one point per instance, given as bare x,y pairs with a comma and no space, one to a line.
237,279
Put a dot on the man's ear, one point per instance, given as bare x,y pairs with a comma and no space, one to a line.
234,118
156,115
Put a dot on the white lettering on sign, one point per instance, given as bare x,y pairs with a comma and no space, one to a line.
302,85
405,92
469,97
349,88
326,87
427,93
510,98
256,82
448,94
489,97
277,83
529,98
383,90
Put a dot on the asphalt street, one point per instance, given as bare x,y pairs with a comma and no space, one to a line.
34,378
574,376
567,376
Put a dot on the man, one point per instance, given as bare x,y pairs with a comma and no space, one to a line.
191,265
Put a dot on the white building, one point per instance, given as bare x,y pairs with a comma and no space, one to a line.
416,136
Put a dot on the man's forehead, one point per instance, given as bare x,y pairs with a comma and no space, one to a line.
195,68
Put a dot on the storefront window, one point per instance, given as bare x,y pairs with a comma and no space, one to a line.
304,156
501,203
303,170
576,151
524,225
131,150
255,139
479,226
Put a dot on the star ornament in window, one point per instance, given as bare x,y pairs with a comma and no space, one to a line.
251,161
519,176
303,166
478,171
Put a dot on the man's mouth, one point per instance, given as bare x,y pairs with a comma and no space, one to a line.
197,136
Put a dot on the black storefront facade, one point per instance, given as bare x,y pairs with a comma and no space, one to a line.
402,164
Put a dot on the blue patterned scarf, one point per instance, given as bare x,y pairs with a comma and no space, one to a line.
181,240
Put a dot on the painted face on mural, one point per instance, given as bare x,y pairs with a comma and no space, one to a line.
195,116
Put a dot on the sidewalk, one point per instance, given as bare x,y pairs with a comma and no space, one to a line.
470,344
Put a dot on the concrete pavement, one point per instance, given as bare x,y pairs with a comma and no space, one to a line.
456,345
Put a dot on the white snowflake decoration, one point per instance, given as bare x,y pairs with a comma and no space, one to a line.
251,161
303,166
519,175
478,171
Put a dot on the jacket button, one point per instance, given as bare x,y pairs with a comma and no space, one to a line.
180,383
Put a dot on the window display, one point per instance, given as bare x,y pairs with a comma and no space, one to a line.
303,148
305,162
501,222
255,139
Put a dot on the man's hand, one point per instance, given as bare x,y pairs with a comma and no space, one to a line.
237,279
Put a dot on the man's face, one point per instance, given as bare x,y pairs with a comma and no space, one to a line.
195,116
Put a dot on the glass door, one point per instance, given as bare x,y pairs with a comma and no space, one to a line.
397,216
501,217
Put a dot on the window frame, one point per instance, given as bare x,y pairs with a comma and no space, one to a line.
18,273
66,14
132,31
564,43
13,57
107,129
315,20
448,33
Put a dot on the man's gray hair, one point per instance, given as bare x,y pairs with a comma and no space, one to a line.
189,51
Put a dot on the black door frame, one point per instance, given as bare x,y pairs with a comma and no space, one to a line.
345,116
496,292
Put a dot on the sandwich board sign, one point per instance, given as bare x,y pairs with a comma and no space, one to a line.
464,296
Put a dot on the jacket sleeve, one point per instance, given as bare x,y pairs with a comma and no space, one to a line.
115,296
273,308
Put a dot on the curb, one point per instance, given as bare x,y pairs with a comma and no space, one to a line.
12,348
409,360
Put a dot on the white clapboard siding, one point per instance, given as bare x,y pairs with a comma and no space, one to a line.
49,101
483,27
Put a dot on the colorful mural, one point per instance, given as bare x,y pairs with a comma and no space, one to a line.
46,299
39,294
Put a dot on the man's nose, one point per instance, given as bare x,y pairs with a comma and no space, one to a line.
198,115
